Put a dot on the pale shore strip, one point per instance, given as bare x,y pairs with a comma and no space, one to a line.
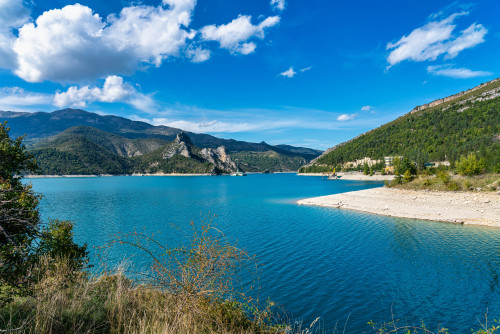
108,175
356,176
474,208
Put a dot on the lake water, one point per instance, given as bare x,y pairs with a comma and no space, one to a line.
339,265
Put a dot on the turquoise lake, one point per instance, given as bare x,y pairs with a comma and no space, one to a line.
340,265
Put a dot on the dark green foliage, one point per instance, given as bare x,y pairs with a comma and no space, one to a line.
43,125
19,218
440,133
23,240
86,150
177,164
56,241
87,161
13,157
316,169
404,165
270,160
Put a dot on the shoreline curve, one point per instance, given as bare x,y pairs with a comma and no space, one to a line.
450,207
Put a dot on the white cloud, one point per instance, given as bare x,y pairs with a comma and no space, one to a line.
198,55
278,4
220,126
290,73
435,39
13,98
74,44
113,90
459,73
306,69
346,117
468,38
13,15
366,108
234,36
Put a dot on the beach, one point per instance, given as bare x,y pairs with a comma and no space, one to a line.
474,208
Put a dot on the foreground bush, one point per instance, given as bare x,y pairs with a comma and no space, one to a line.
188,289
470,165
24,238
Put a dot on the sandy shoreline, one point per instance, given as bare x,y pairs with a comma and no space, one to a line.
105,175
356,176
472,208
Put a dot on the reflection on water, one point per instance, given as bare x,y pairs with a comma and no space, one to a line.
332,263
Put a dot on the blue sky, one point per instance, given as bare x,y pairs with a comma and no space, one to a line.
307,73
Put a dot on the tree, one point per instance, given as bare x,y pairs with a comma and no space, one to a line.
403,165
366,170
470,165
23,238
407,177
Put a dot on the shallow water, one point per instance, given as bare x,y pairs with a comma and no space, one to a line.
317,262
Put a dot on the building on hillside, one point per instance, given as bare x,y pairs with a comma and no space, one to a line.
361,162
389,161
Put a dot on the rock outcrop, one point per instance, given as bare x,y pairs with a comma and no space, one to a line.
219,158
182,145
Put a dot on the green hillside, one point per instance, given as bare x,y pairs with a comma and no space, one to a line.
269,160
78,155
41,125
451,128
88,151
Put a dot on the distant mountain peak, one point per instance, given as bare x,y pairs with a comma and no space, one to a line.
182,137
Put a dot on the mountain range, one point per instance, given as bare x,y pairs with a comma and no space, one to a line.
74,141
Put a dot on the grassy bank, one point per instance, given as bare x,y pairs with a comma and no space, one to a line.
445,181
189,289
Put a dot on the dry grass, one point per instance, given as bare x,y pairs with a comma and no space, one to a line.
448,182
187,290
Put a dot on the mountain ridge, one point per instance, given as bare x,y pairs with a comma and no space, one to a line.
38,125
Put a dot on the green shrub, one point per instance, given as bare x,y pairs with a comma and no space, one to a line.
444,176
407,177
454,186
469,165
24,240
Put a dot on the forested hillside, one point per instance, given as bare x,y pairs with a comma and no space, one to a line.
469,123
126,138
85,150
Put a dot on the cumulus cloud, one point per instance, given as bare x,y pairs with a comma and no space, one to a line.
198,54
235,35
435,39
74,44
346,117
290,73
459,73
14,98
13,15
113,90
278,4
